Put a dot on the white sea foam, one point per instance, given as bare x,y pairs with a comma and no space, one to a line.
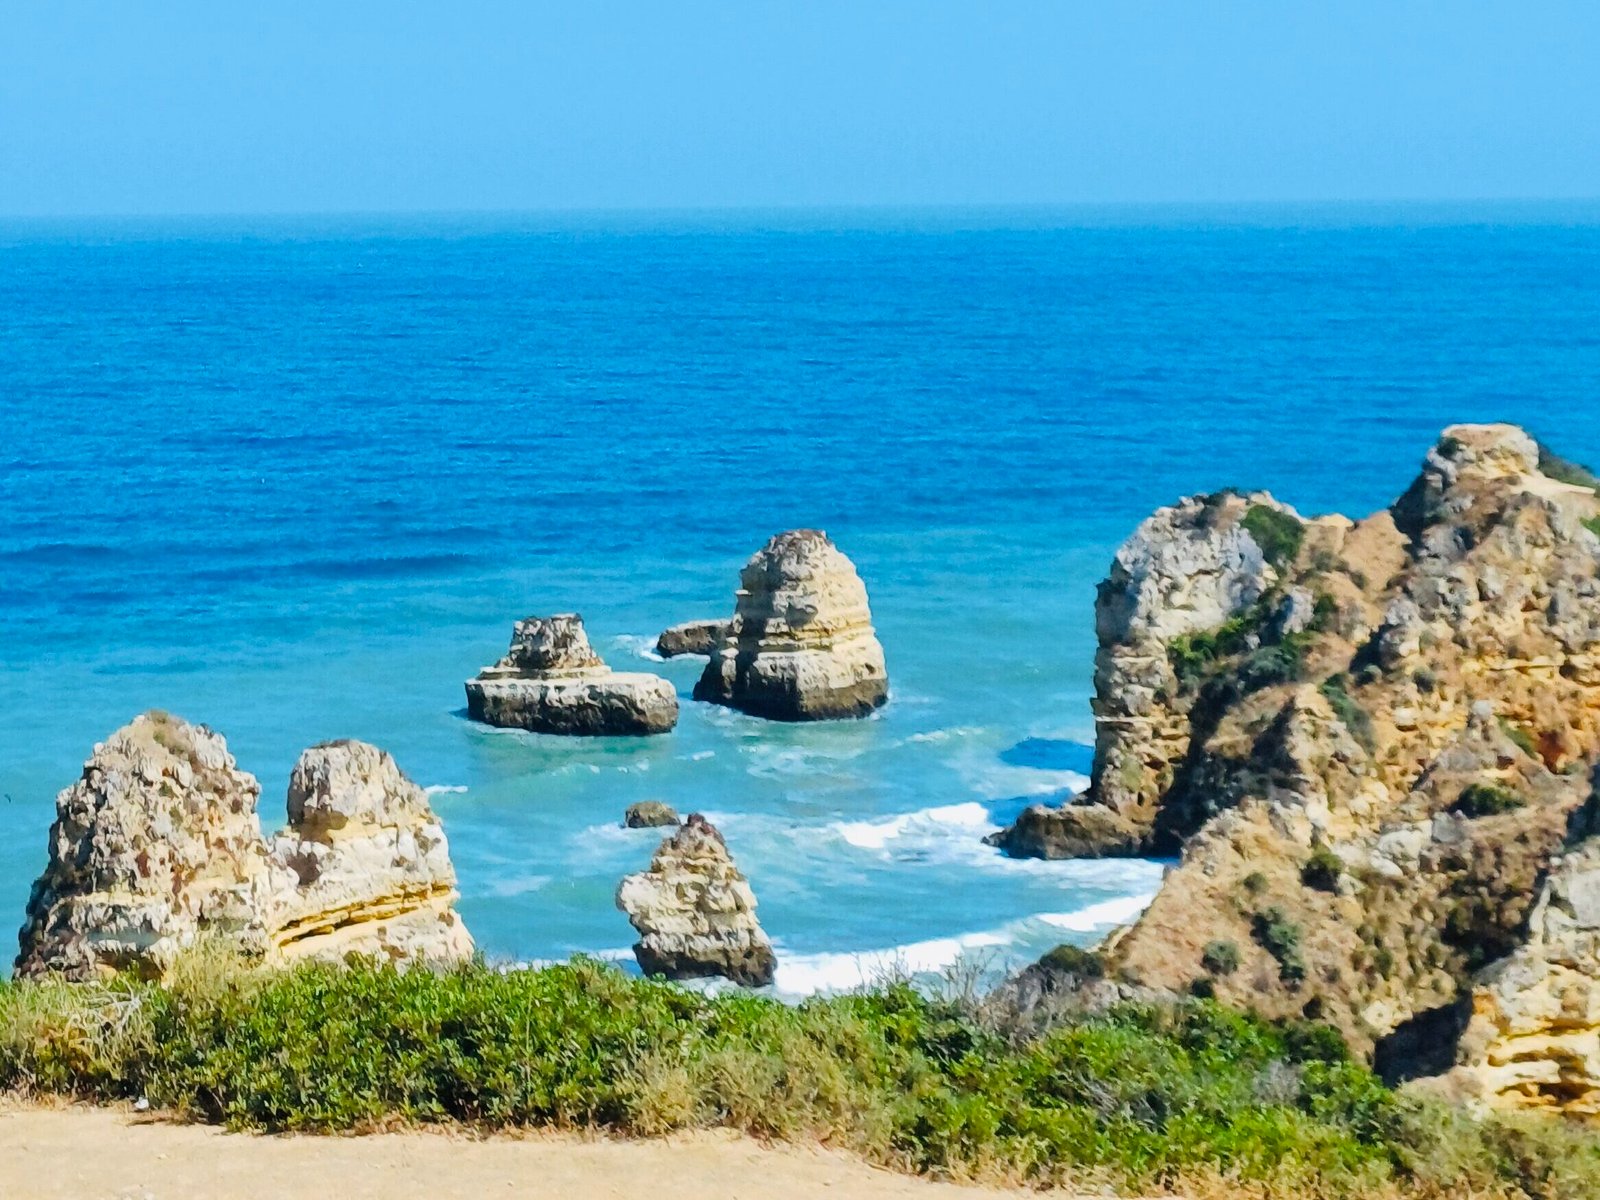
948,820
441,789
638,645
518,886
702,755
808,974
937,736
1099,916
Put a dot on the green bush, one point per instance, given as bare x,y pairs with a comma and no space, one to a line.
1563,470
1220,958
1138,1098
1486,800
1592,524
1193,654
1277,533
1275,933
1322,870
1075,960
1520,738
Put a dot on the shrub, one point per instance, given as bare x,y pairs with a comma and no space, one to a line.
1280,937
1137,1098
1220,958
1592,524
1486,800
1074,960
1564,470
1254,883
1322,870
1273,665
1193,654
1277,533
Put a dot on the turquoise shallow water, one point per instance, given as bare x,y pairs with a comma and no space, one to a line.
296,480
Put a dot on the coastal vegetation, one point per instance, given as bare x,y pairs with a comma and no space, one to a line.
1189,1097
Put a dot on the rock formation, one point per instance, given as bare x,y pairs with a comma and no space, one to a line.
371,866
801,645
649,814
695,912
158,844
692,637
552,681
1372,744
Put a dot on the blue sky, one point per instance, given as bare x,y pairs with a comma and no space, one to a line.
167,106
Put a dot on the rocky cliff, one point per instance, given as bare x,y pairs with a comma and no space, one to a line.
1372,744
801,645
158,845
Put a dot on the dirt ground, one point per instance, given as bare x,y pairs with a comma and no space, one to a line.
103,1154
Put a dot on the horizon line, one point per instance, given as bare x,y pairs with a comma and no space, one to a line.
933,208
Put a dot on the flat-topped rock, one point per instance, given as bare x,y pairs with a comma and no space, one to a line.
692,637
695,912
158,845
552,681
801,646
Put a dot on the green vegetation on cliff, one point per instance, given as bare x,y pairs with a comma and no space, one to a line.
1138,1097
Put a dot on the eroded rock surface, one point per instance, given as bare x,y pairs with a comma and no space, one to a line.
1371,743
552,681
370,862
692,637
158,845
695,912
801,645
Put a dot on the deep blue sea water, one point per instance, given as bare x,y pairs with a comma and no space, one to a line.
297,479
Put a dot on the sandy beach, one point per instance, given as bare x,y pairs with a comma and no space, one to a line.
105,1154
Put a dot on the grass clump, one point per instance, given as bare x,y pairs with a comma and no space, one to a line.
1322,870
1486,800
1350,713
1519,737
1277,533
1592,524
1193,654
1138,1098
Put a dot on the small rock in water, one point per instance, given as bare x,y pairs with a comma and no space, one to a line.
692,637
648,814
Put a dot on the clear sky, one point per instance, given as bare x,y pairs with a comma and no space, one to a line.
172,106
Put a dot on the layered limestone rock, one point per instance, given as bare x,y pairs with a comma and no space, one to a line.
158,845
801,645
371,865
692,637
695,912
1371,743
1532,1035
552,681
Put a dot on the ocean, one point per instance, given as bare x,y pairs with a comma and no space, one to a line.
295,479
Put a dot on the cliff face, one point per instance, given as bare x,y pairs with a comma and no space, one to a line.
1371,743
158,844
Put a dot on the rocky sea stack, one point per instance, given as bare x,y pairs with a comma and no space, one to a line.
801,645
552,681
158,845
1374,746
695,912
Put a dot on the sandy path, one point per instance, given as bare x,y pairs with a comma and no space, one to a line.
100,1154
